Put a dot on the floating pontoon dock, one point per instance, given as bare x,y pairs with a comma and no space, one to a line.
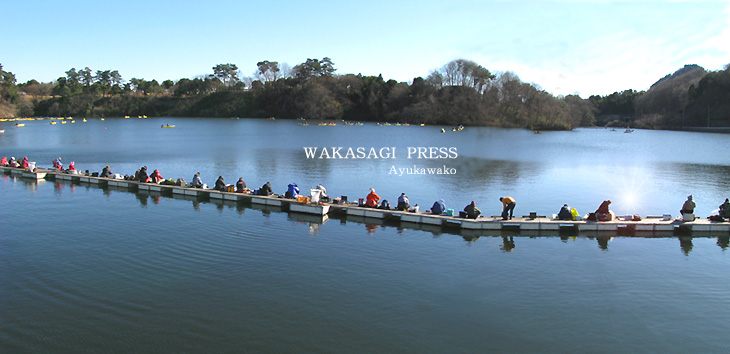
647,227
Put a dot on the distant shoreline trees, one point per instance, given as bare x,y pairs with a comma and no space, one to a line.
460,92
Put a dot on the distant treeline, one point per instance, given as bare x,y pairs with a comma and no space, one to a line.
461,92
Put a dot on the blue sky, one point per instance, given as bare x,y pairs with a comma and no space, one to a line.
565,47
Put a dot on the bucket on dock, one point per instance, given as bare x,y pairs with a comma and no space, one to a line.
31,166
303,200
314,195
361,202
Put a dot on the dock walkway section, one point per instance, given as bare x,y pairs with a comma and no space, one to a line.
647,227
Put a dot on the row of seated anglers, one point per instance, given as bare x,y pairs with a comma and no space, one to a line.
604,214
372,199
25,164
439,207
220,185
141,176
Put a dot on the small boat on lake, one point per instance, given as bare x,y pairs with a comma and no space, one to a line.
168,126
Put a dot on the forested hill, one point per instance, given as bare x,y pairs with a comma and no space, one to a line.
689,97
460,92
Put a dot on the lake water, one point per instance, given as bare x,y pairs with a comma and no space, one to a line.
85,269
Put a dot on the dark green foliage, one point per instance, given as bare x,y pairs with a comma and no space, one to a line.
462,92
709,101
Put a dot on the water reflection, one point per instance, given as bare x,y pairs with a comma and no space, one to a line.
142,198
603,242
723,242
371,228
685,242
508,244
31,185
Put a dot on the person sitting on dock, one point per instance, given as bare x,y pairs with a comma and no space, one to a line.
142,175
292,191
688,207
725,209
220,185
508,207
132,177
240,185
403,203
106,172
438,207
384,205
602,213
12,162
472,212
24,163
57,164
322,193
156,177
266,189
72,168
4,161
197,182
565,213
372,199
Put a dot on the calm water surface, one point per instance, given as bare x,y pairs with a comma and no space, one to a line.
84,269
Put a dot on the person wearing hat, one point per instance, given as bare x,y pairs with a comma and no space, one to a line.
72,168
220,185
57,163
142,175
156,177
106,172
438,207
372,199
688,207
240,185
565,213
403,203
472,212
